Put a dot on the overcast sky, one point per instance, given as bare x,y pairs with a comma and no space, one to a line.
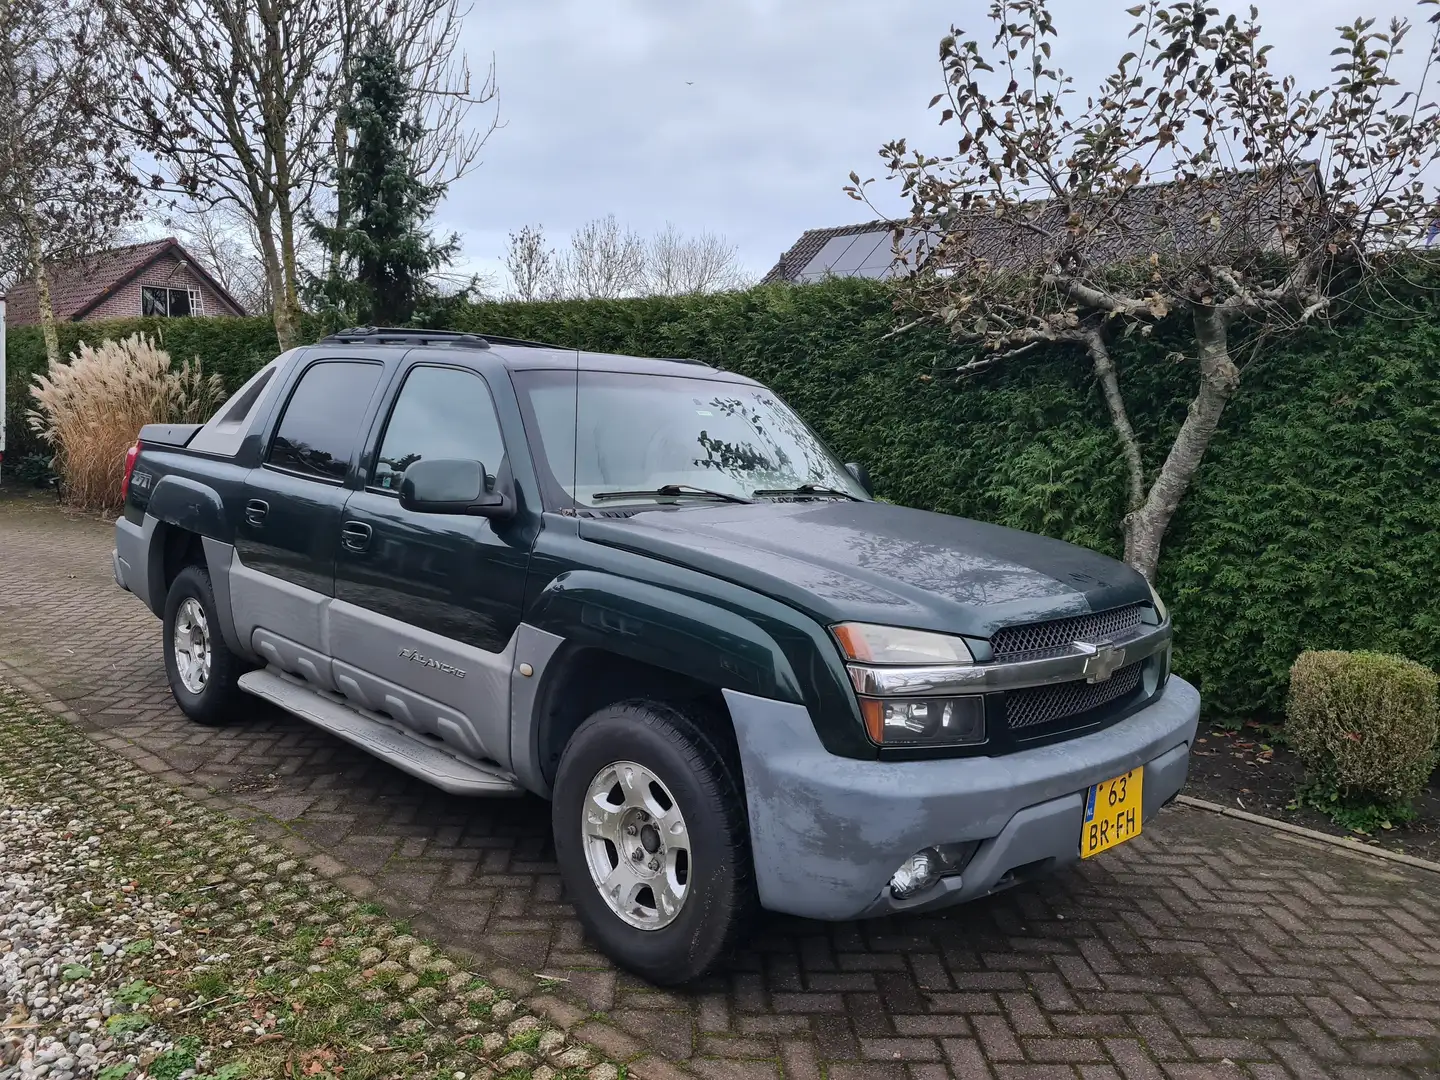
744,117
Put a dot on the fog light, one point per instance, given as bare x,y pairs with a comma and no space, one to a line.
929,865
916,873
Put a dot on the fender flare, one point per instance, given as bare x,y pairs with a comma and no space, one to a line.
181,503
192,506
670,630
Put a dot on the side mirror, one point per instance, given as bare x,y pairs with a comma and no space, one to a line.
861,475
451,487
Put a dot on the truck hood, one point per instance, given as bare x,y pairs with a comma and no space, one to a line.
873,562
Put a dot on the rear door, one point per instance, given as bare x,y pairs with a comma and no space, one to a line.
427,604
289,519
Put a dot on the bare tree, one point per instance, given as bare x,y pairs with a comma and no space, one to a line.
1279,202
65,180
239,105
677,264
604,261
232,99
531,264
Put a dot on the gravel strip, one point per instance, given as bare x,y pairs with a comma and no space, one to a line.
145,937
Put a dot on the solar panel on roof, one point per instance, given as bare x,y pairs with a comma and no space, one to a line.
878,263
826,258
859,253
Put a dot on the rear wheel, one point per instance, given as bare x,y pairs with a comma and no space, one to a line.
652,841
201,669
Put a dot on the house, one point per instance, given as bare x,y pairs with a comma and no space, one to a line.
1175,216
158,277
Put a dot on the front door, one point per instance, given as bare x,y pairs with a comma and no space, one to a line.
427,604
289,519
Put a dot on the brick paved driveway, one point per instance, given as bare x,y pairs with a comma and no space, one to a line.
1208,947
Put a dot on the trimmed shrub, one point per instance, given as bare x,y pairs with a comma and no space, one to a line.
1364,724
90,409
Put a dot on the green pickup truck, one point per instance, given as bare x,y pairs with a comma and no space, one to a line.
645,591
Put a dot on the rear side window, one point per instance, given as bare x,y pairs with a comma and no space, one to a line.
440,413
321,422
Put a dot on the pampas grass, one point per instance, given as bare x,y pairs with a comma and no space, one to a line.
90,410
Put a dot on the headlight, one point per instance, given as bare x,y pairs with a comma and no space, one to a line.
872,644
1159,604
901,720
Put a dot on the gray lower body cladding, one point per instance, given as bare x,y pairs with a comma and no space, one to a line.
131,557
827,832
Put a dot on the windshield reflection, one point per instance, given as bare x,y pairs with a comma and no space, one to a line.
634,432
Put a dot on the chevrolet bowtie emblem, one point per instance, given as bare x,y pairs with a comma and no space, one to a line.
1101,661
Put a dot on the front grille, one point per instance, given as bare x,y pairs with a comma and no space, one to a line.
1035,705
1015,642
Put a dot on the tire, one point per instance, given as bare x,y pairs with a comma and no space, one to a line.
719,901
211,700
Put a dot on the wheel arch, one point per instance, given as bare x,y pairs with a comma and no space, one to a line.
583,679
613,639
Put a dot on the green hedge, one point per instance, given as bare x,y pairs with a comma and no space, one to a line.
230,348
1315,523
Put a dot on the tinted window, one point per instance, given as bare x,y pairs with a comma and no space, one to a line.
440,413
322,420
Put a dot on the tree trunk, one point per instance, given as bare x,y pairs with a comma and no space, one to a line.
1219,377
289,298
1129,445
42,287
342,193
286,331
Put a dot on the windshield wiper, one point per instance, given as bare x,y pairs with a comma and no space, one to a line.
806,489
672,490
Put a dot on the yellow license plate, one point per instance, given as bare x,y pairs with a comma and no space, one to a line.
1112,813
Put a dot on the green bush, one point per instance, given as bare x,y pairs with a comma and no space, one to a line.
1364,724
1314,521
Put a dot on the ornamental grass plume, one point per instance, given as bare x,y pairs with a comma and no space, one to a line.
90,409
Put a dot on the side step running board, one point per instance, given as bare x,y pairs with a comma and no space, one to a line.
380,737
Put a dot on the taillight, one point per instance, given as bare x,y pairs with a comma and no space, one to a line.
130,456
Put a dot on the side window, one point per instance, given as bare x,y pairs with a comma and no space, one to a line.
440,413
321,422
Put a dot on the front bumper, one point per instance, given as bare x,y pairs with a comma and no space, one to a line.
828,832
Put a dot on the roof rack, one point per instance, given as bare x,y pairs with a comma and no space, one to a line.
404,335
414,335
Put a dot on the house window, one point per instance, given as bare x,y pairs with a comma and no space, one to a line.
158,300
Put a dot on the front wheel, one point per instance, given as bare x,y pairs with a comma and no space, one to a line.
202,671
652,841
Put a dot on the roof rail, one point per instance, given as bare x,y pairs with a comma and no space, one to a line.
496,339
404,335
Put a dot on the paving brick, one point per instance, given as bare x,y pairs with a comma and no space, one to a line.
1203,942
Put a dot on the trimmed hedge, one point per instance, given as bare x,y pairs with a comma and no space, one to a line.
1315,522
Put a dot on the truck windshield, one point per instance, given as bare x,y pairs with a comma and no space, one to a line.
636,434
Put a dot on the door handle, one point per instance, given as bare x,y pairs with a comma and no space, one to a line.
355,535
255,511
